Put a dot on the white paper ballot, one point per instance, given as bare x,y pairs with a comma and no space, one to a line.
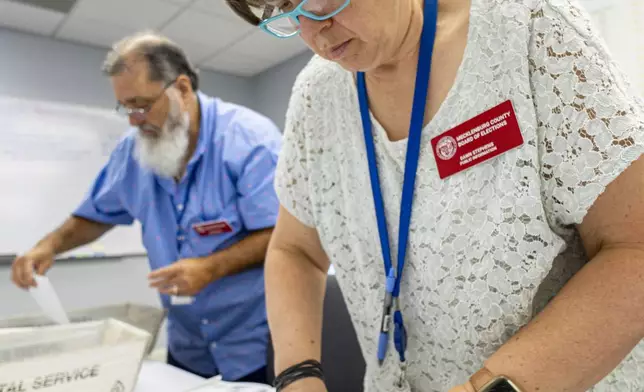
46,297
216,385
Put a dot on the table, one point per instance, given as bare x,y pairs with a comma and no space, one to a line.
158,376
215,385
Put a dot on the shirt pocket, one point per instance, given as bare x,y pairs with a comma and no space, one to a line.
212,230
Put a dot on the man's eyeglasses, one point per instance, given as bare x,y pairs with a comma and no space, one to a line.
281,22
139,114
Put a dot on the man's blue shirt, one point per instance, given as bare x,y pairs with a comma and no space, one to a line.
228,179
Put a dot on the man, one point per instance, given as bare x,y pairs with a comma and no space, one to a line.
197,173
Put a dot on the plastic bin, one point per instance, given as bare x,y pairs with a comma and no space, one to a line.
147,318
96,356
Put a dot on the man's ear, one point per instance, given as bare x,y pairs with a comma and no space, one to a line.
184,85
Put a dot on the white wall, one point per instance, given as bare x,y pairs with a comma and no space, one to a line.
620,24
272,88
42,68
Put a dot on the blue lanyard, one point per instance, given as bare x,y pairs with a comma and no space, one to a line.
393,278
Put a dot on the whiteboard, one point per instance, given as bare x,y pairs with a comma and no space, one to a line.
50,154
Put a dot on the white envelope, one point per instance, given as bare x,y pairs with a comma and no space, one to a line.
46,297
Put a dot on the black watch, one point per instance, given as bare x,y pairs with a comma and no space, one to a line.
485,381
500,384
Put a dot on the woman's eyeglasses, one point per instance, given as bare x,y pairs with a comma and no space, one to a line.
283,21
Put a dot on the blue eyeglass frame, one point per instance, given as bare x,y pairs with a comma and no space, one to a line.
299,11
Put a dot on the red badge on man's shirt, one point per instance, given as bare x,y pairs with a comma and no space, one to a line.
483,137
212,227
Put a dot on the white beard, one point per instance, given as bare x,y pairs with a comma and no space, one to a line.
165,154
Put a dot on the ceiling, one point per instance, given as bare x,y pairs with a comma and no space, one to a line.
213,37
209,32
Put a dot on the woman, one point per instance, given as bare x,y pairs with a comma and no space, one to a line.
528,187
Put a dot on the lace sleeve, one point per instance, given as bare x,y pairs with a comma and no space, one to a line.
292,172
590,121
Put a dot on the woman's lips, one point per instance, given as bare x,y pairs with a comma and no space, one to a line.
338,51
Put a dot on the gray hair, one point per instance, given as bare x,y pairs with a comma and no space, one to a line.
244,9
166,60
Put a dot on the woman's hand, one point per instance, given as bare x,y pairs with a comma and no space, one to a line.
463,388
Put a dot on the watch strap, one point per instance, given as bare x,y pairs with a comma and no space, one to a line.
481,378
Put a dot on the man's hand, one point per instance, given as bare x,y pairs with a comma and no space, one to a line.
74,232
185,277
39,259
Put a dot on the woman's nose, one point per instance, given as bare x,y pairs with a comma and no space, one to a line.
311,27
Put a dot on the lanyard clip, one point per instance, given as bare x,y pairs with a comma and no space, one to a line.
400,334
383,340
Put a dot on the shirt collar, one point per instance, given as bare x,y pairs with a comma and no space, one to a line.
207,124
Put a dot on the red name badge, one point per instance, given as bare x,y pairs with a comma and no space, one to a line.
483,137
212,228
